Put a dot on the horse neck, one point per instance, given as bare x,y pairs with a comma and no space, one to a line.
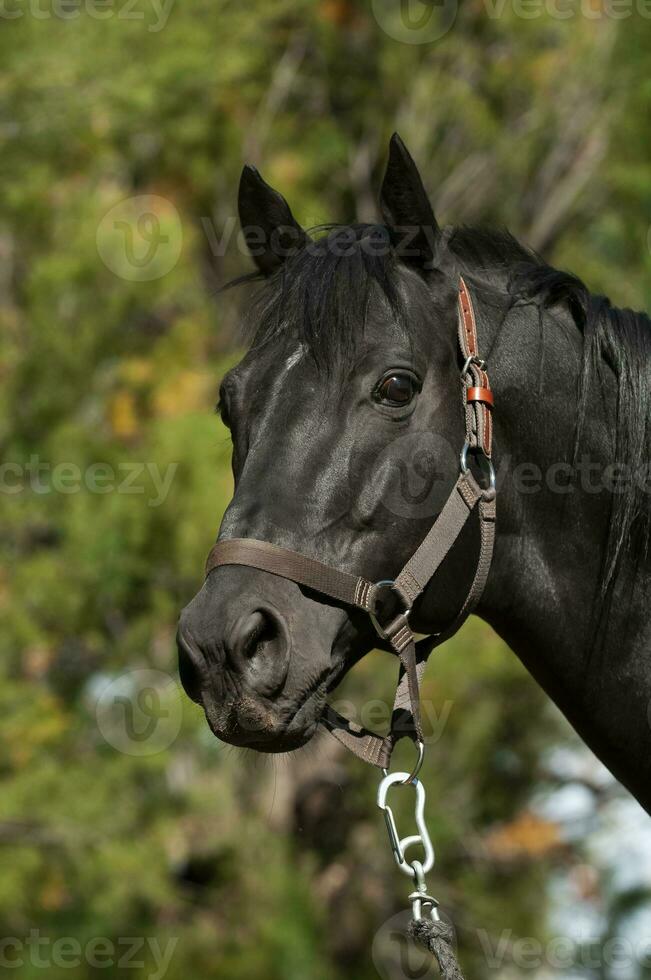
543,595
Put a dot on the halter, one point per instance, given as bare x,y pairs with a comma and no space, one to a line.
390,601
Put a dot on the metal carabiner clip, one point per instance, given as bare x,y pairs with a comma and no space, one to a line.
399,845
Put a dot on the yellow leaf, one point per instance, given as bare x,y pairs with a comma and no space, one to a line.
136,370
122,415
188,391
54,895
527,836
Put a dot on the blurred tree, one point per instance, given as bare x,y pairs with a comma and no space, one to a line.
259,869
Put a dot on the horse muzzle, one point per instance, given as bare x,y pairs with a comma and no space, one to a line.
252,668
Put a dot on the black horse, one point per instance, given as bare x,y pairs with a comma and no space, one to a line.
346,424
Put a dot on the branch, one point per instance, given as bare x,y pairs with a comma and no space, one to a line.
276,96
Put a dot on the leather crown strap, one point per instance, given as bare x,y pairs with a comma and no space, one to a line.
355,590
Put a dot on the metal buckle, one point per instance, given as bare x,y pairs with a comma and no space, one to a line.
400,844
476,450
473,359
379,629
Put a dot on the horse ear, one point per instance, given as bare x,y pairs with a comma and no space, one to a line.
271,231
406,208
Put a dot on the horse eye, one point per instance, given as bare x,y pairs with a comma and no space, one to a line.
397,388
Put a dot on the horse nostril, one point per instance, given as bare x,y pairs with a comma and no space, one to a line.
189,670
250,632
259,650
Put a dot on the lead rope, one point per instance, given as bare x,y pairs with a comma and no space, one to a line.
436,936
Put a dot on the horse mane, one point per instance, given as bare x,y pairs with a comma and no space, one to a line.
618,339
321,296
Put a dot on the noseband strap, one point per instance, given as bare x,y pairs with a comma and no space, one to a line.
342,586
354,590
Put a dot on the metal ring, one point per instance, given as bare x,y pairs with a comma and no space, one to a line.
463,459
378,628
417,768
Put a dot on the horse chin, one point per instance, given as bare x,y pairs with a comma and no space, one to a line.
261,725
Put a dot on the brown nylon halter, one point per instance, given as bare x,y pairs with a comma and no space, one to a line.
353,590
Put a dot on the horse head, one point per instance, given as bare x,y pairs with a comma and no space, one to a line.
345,423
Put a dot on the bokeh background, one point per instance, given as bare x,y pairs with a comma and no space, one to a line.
123,129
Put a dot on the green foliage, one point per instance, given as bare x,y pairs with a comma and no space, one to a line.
540,125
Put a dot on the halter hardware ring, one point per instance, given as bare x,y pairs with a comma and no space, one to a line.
411,778
473,359
379,629
487,462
